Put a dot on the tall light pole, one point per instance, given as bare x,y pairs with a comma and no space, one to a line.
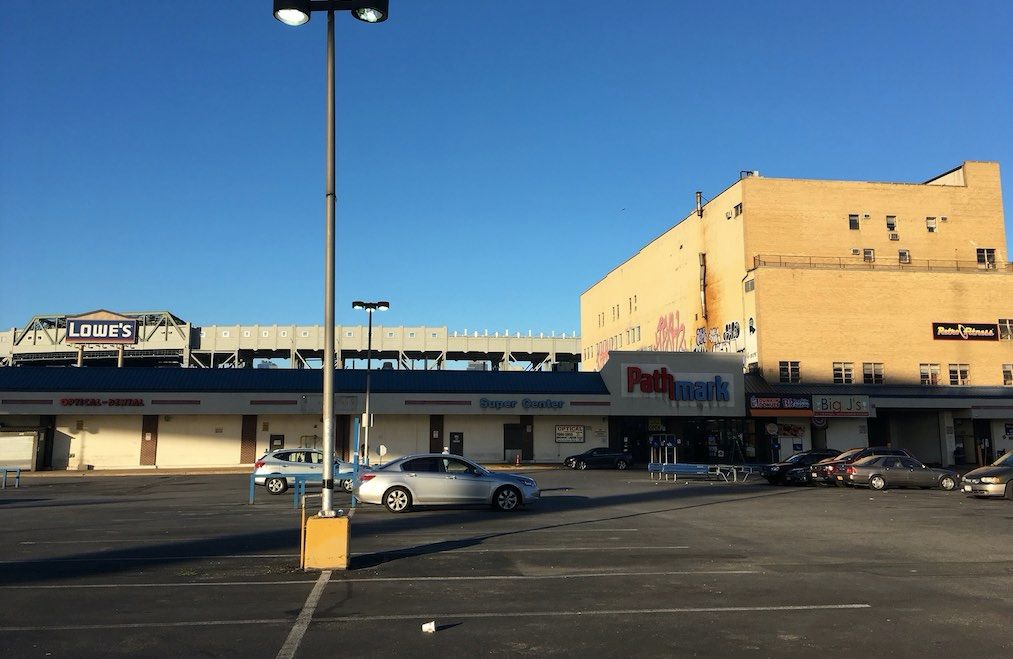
297,12
369,307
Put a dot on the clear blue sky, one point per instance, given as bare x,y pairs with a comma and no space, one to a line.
494,157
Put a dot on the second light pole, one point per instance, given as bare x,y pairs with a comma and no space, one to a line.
367,421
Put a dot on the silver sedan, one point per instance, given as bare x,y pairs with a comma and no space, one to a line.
441,479
276,470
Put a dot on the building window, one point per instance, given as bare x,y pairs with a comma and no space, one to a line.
1007,375
390,335
853,222
1006,329
246,334
868,255
304,333
433,335
284,333
960,374
844,372
891,222
986,258
929,374
264,334
225,334
411,335
789,372
930,224
904,256
872,373
348,335
750,285
634,302
737,210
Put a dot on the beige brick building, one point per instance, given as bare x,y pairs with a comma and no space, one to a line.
826,282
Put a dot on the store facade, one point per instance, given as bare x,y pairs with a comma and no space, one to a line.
102,418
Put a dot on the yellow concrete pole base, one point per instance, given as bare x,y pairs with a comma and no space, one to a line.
325,543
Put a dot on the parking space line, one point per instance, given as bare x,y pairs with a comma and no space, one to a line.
510,550
98,559
491,577
445,616
591,612
302,623
183,584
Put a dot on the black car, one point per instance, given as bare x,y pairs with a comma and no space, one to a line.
833,471
600,457
796,468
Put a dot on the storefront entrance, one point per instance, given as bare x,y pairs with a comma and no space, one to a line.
699,440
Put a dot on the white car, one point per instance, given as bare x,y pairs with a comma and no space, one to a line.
439,478
276,469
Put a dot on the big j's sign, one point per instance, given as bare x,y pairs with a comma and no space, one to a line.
101,327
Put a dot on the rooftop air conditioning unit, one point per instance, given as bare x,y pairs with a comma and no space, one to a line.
894,236
855,251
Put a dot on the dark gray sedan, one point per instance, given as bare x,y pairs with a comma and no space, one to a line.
882,471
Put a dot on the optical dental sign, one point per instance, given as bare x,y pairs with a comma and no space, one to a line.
660,382
101,327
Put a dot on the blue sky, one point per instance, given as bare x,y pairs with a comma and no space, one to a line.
494,158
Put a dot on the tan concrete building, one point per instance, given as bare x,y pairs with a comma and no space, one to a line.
826,282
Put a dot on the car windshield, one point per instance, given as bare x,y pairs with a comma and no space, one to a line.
1004,460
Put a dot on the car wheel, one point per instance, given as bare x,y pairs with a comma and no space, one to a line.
877,482
506,499
276,485
346,485
948,483
1009,490
621,465
581,465
397,500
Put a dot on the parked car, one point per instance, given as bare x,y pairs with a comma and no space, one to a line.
995,480
832,470
600,457
795,469
442,479
275,470
882,471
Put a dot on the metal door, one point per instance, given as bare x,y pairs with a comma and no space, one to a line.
149,439
462,485
513,441
895,472
917,474
277,442
457,443
248,440
425,478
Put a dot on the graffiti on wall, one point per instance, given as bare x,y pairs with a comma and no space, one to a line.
671,333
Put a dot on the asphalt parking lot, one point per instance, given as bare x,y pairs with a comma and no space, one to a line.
609,563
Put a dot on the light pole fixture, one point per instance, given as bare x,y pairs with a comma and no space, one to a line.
297,12
369,308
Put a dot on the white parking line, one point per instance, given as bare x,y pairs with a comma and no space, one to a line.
302,623
144,558
491,577
446,616
510,550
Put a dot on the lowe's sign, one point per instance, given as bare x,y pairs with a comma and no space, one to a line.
668,385
88,330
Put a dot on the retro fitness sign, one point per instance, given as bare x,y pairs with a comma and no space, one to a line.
965,331
101,327
660,381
